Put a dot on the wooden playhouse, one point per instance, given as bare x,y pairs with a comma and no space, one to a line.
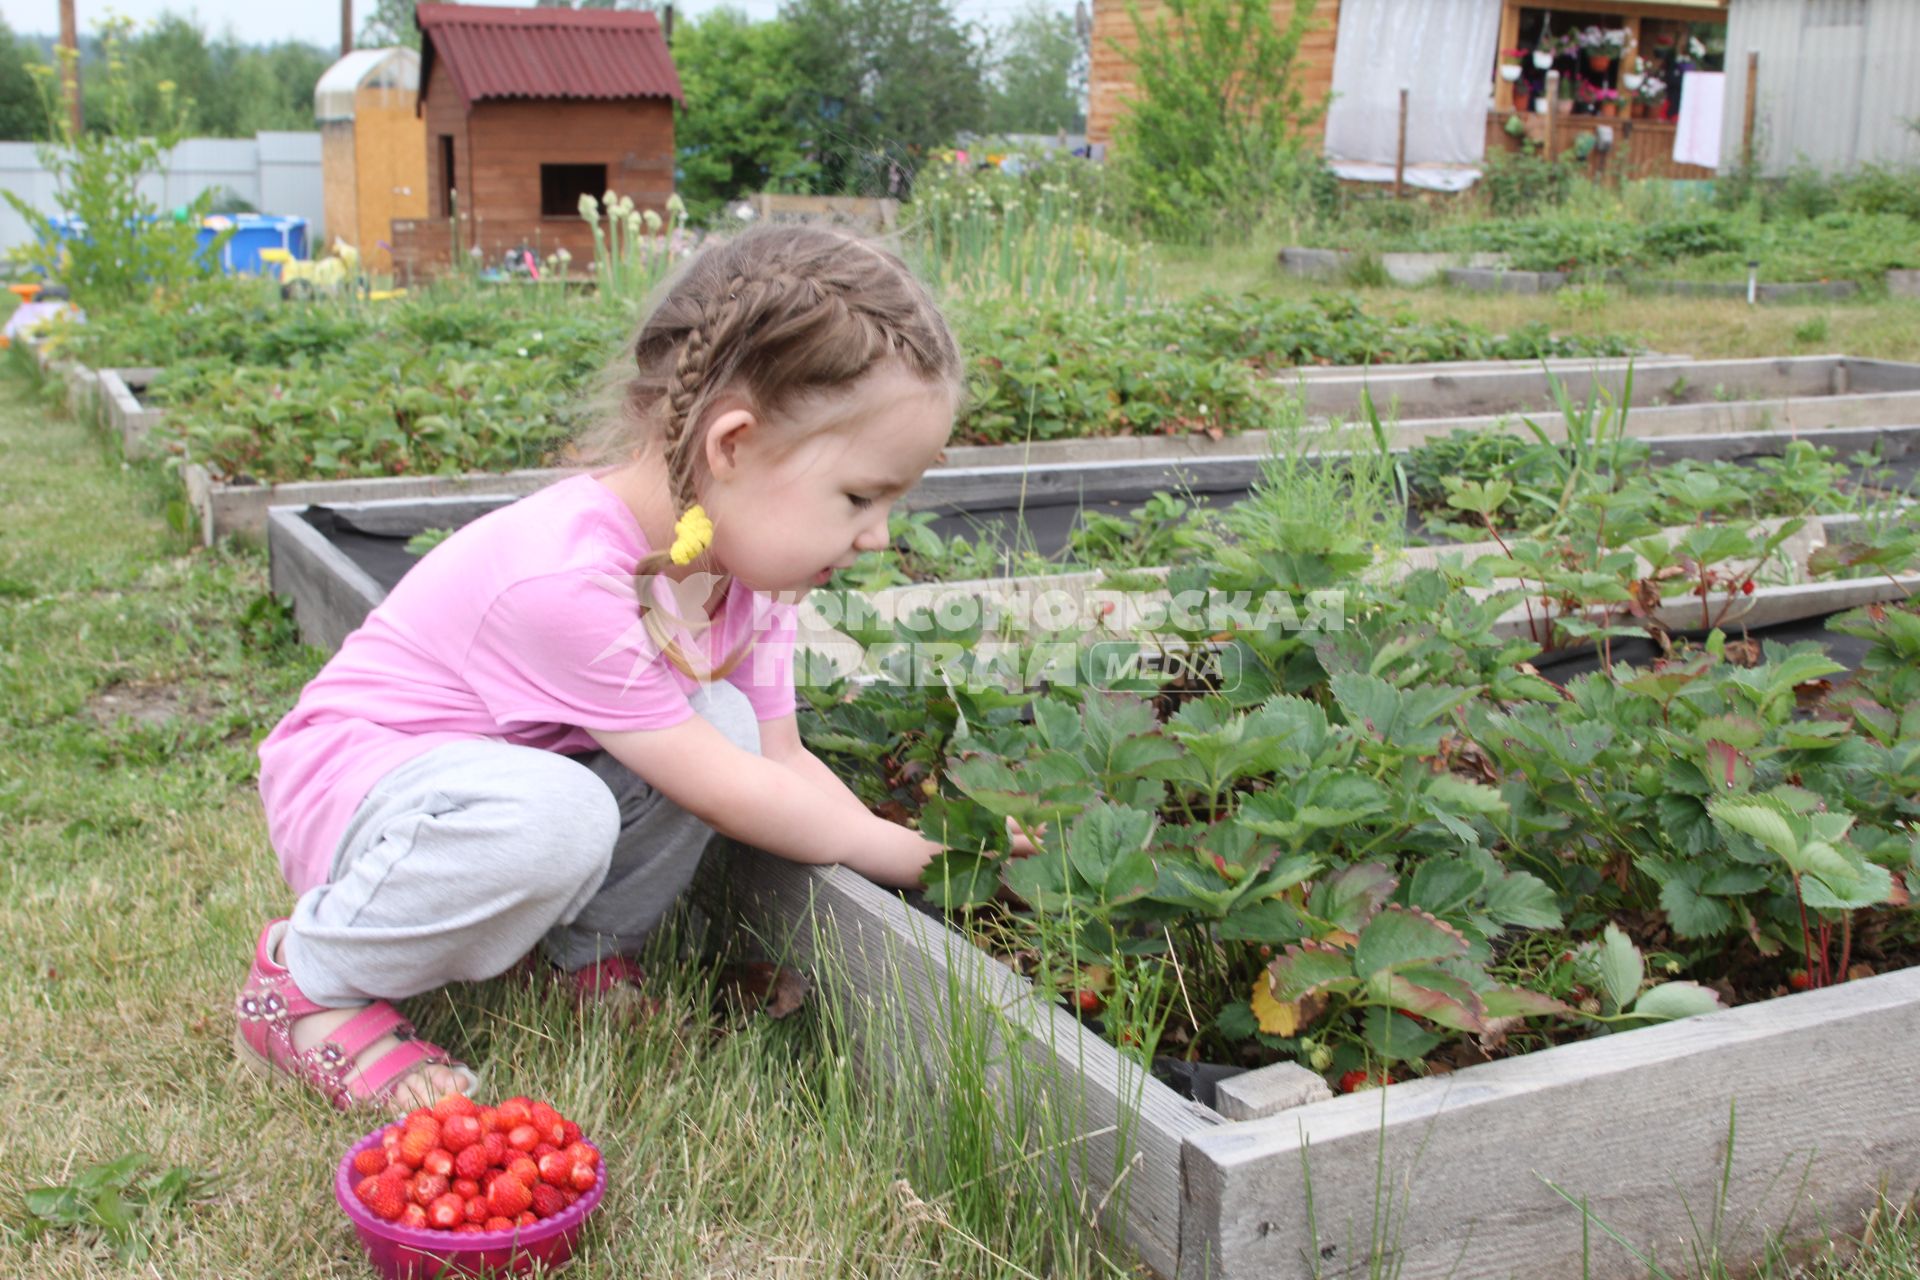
524,112
372,150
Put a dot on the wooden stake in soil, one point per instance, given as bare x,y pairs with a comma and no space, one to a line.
70,65
1400,155
1553,107
1753,97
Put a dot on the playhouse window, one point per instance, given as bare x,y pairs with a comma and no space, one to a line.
562,185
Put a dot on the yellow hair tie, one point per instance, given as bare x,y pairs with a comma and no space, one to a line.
692,534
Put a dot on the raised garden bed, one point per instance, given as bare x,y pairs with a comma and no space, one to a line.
1495,279
1635,1123
1410,269
126,418
1199,1196
1673,398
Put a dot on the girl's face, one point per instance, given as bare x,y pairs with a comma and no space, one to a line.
786,517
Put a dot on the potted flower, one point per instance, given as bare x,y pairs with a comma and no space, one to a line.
1565,104
1630,81
1651,91
1544,52
1510,68
1602,45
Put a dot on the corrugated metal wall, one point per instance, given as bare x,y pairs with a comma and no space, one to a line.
1838,82
274,172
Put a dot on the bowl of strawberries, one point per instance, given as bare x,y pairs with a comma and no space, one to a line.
460,1188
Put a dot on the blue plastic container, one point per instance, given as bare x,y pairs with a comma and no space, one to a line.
254,232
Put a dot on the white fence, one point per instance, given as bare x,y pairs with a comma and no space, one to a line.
274,172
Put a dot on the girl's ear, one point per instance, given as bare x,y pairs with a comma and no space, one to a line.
727,437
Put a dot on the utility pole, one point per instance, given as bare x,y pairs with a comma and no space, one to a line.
346,27
70,64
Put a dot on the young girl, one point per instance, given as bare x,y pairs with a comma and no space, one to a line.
532,739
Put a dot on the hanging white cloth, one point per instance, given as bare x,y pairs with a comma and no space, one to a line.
1703,103
1442,53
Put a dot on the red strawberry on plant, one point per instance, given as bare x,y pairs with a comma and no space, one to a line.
1799,980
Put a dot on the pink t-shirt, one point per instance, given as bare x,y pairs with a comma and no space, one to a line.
522,627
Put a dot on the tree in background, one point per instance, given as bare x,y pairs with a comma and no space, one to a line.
130,245
735,135
884,81
1216,128
21,116
230,90
1039,74
389,23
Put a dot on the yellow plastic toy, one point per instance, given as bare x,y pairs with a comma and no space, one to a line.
324,275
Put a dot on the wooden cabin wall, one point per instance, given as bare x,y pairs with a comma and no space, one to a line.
1110,75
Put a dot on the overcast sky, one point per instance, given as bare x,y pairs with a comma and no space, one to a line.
254,22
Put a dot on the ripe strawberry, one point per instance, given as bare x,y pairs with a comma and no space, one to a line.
418,1140
428,1187
440,1161
1799,980
524,1169
509,1196
472,1162
522,1137
465,1188
496,1147
570,1131
415,1116
526,1218
498,1224
385,1198
584,1176
569,1194
547,1200
1746,588
459,1132
469,1229
1088,1001
414,1217
556,1167
454,1104
583,1154
446,1212
371,1161
541,1149
477,1210
1354,1080
513,1112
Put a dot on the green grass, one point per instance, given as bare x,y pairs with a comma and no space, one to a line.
136,674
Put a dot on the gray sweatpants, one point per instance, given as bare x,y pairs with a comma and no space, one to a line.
460,861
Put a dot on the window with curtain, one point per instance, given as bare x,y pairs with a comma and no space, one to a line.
1439,51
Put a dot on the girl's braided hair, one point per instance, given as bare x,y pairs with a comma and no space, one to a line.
779,315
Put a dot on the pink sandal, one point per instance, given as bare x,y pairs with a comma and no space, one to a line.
269,1005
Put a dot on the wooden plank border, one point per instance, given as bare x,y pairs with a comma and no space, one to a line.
127,419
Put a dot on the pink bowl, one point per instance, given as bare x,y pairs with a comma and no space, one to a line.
407,1253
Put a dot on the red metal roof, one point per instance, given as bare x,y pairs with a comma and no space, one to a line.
547,53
